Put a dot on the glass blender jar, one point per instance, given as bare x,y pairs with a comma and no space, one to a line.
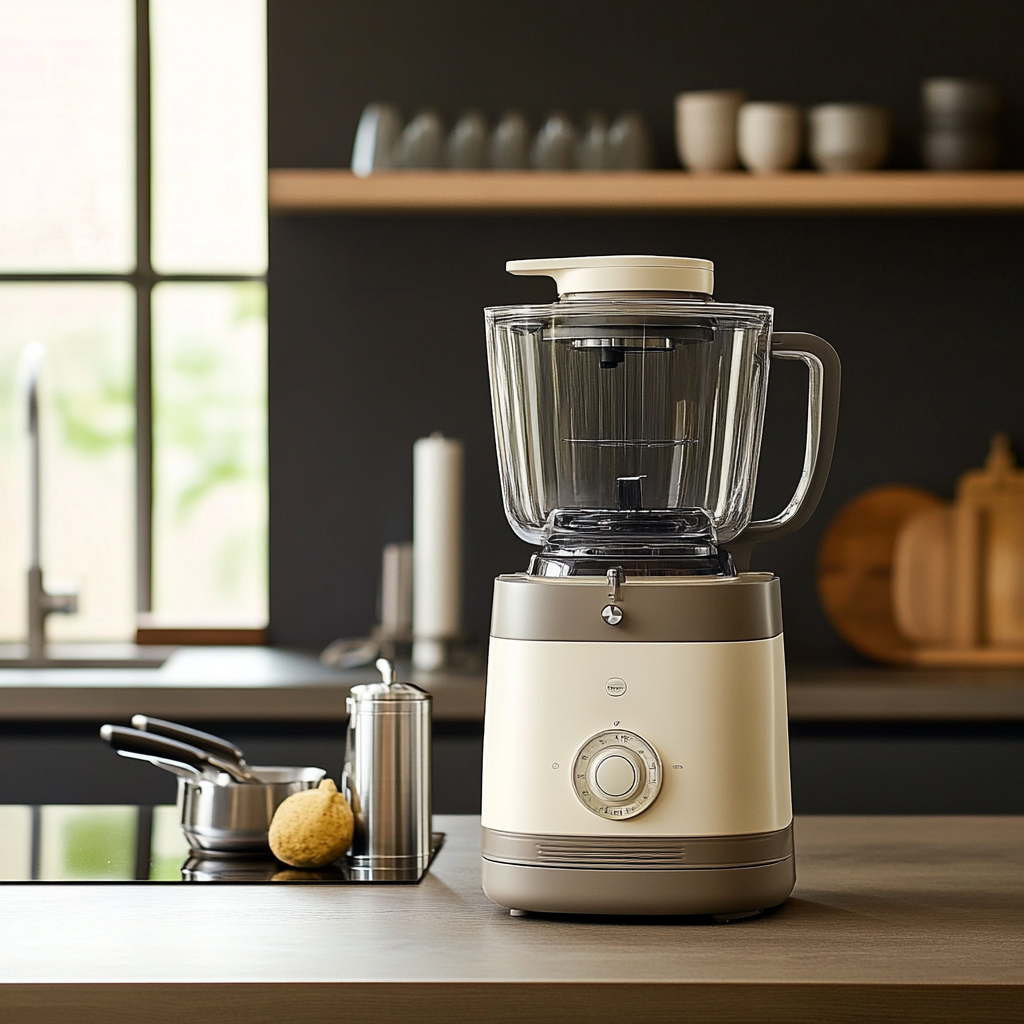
628,417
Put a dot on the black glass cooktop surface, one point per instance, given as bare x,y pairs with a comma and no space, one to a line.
115,844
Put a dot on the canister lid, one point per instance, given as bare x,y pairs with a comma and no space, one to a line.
577,274
387,691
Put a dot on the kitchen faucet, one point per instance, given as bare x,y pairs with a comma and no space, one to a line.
41,603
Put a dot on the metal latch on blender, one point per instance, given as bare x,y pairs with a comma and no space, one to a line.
611,612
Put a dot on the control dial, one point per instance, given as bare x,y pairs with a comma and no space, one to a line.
616,774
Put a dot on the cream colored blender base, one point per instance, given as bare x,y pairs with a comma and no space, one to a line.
714,712
707,827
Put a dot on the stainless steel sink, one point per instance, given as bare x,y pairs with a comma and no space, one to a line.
84,655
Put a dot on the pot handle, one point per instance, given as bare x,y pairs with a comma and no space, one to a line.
823,376
183,734
149,746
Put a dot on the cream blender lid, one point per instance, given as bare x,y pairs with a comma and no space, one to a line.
621,273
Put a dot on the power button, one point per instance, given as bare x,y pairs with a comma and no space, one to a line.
615,687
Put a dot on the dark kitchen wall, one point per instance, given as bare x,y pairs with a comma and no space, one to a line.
375,326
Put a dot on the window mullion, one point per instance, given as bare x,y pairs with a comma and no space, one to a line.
143,317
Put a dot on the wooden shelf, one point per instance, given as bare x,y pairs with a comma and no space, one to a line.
339,191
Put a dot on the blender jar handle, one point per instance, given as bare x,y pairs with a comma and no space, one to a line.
823,374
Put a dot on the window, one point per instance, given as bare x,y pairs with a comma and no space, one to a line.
133,247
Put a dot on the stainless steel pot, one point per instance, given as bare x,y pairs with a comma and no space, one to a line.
223,816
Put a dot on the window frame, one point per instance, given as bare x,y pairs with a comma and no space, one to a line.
143,279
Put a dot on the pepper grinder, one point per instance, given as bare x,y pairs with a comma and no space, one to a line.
387,778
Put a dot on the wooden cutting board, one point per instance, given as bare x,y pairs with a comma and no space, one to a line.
855,563
922,601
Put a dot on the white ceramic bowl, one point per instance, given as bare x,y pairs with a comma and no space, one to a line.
848,137
706,129
769,136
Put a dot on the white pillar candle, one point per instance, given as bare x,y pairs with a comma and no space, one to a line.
437,548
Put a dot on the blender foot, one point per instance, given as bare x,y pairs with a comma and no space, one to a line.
517,913
741,916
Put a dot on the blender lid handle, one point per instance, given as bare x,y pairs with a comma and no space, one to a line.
823,378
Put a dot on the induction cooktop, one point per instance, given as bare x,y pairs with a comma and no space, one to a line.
117,844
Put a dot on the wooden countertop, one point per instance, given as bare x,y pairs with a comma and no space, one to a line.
266,684
902,919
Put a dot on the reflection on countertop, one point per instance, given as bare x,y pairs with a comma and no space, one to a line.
122,843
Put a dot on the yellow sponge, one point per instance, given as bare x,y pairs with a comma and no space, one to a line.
312,828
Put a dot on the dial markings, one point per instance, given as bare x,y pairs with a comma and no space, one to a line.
616,774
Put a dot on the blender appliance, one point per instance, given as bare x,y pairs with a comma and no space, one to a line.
636,753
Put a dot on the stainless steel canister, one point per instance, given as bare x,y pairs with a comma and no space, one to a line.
387,778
